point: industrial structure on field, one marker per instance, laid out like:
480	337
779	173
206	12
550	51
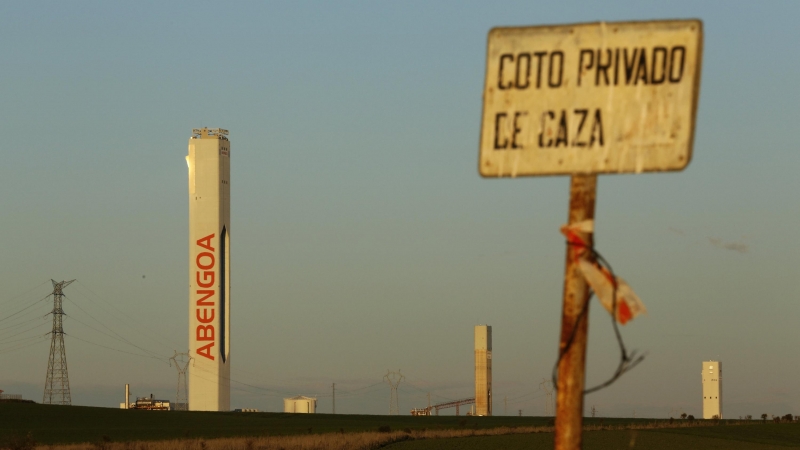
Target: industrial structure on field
300	404
712	389
457	404
483	381
9	397
151	404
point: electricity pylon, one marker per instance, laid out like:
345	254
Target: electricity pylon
394	379
547	387
56	385
181	361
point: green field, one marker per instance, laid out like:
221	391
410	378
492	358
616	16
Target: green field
50	424
74	424
768	436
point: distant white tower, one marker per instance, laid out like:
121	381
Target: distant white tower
483	370
712	389
209	270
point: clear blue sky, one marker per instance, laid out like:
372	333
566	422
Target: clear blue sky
363	238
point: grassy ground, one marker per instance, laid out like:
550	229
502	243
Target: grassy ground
75	424
72	424
741	437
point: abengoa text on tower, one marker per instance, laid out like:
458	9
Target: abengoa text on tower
209	270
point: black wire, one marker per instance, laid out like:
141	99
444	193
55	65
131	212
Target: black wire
127	319
27	338
20	324
25	308
119	337
116	349
429	392
525	401
20	333
525	395
626	362
343	391
24	293
21	346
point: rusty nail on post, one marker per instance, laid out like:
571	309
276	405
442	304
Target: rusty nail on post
571	368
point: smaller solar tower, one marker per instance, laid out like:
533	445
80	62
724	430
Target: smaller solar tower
712	389
483	370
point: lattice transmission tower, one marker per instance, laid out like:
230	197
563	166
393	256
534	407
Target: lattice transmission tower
394	379
181	361
546	386
56	385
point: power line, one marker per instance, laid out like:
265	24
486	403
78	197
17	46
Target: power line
40	339
522	395
360	392
26	308
547	387
424	391
23	314
116	349
254	389
13	330
120	337
351	391
23	332
20	324
240	382
128	318
149	354
24	293
18	333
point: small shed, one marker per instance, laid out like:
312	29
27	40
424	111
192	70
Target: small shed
300	404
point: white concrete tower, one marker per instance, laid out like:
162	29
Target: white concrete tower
712	389
209	270
483	370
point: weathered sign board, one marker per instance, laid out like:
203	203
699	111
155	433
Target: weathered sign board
590	98
584	100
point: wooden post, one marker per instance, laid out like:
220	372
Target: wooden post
572	365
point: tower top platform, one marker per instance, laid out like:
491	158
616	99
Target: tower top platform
209	133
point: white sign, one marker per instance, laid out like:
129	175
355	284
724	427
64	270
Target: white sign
590	98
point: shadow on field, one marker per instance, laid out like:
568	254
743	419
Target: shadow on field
741	437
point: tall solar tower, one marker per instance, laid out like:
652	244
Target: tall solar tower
712	389
56	385
209	269
483	370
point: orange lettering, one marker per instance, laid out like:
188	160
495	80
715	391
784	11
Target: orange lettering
205	318
207	332
206	278
207	352
208	293
207	241
207	255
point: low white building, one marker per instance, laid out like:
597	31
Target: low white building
300	404
712	389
